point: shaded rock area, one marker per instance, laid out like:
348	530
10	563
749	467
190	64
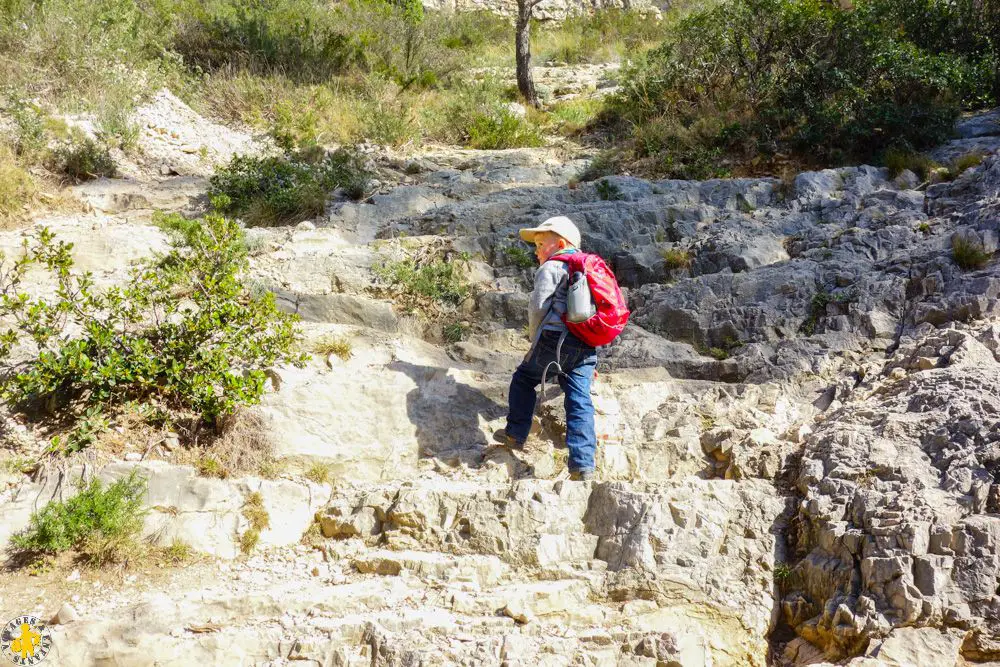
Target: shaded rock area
798	432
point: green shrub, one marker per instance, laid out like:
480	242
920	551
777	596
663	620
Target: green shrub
571	117
969	254
301	39
268	191
607	190
440	280
84	160
750	78
116	127
676	258
29	129
184	333
455	332
604	35
500	128
102	522
897	160
519	257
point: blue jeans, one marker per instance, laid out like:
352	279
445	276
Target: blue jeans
578	361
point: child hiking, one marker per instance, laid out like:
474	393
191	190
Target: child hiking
564	338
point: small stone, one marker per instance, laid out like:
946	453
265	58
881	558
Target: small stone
305	226
133	457
518	612
74	576
66	614
638	607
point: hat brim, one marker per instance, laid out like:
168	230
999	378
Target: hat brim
529	234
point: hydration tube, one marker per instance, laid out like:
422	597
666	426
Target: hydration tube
559	370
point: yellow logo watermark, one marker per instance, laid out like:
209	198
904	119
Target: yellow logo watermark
25	641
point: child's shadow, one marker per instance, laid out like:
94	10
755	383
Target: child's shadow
447	413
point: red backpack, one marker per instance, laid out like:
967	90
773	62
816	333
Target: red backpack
611	310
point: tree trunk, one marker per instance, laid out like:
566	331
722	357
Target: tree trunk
522	52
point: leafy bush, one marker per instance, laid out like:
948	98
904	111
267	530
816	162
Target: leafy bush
268	191
84	160
969	253
183	333
758	77
439	280
607	190
80	52
520	257
101	522
301	39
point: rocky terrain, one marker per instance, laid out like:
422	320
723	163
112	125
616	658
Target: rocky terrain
799	429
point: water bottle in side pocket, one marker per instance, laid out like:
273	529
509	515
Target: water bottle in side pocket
579	303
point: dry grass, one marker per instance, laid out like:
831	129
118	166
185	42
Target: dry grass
339	346
255	513
968	253
676	258
243	447
319	473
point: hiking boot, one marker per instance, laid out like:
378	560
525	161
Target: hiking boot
503	439
581	475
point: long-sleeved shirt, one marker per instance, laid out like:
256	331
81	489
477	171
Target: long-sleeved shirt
548	299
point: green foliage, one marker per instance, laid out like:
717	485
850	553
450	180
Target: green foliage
439	280
184	333
455	332
571	117
267	191
209	466
756	77
898	160
676	258
84	160
607	190
969	253
501	128
92	521
87	428
29	129
300	38
117	129
603	35
178	552
17	188
965	162
519	257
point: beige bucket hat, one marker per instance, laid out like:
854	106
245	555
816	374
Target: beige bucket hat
560	225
